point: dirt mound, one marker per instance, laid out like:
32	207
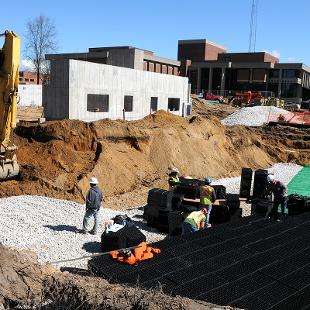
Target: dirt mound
21	278
128	158
25	283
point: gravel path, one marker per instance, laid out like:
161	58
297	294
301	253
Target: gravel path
252	116
48	226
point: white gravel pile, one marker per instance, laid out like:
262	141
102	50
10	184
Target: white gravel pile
48	226
252	116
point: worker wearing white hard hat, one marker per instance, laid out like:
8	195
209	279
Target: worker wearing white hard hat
173	178
94	200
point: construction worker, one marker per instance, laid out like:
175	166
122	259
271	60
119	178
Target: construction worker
207	197
195	221
279	192
94	200
173	178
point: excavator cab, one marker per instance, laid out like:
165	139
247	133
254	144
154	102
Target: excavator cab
9	74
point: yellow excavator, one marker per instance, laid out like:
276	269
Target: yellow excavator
9	75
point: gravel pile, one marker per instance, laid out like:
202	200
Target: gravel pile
252	116
48	226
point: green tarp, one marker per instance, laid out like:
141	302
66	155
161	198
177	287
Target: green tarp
300	184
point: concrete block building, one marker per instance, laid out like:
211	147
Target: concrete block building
116	83
211	68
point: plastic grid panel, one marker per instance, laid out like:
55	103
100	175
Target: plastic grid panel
247	266
275	291
208	241
198	286
224	294
298	280
183	249
139	276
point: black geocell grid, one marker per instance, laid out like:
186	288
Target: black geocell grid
191	266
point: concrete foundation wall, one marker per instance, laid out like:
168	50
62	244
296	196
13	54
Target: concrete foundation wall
99	79
56	93
30	95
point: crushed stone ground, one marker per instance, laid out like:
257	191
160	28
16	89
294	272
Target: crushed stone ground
252	116
48	226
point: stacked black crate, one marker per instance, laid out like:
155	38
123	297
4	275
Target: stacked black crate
246	183
260	201
260	183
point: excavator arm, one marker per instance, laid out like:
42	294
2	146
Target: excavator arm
9	75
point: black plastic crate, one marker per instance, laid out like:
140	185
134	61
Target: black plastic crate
246	182
220	191
260	183
175	221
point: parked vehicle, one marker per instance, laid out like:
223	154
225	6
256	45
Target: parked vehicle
210	96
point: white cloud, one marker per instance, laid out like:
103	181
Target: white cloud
26	65
291	59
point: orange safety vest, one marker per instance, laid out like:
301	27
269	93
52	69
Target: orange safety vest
143	252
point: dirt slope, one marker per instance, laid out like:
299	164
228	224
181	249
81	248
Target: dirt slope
24	283
128	158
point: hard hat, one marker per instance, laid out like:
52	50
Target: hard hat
93	181
270	178
175	170
208	180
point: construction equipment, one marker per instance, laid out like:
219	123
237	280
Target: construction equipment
9	71
247	98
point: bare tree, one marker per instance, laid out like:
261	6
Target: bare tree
40	40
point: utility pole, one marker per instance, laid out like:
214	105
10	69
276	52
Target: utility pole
253	26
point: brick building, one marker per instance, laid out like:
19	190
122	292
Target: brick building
209	67
125	56
26	77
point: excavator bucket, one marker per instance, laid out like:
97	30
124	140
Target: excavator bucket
9	74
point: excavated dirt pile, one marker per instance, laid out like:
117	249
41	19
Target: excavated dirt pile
24	284
128	158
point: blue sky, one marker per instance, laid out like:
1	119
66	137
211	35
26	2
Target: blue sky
282	25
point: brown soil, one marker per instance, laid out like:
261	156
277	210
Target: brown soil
129	158
25	283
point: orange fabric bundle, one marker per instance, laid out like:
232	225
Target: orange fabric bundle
143	252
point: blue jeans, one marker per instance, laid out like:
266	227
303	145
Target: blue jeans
188	228
209	208
87	218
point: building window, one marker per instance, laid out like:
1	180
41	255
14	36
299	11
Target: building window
274	73
31	80
288	90
20	79
154	104
173	104
27	80
290	73
97	103
128	103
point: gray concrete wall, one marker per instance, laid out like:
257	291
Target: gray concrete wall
56	93
89	78
30	95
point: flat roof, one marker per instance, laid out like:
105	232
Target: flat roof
191	41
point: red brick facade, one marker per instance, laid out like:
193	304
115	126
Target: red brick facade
26	77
